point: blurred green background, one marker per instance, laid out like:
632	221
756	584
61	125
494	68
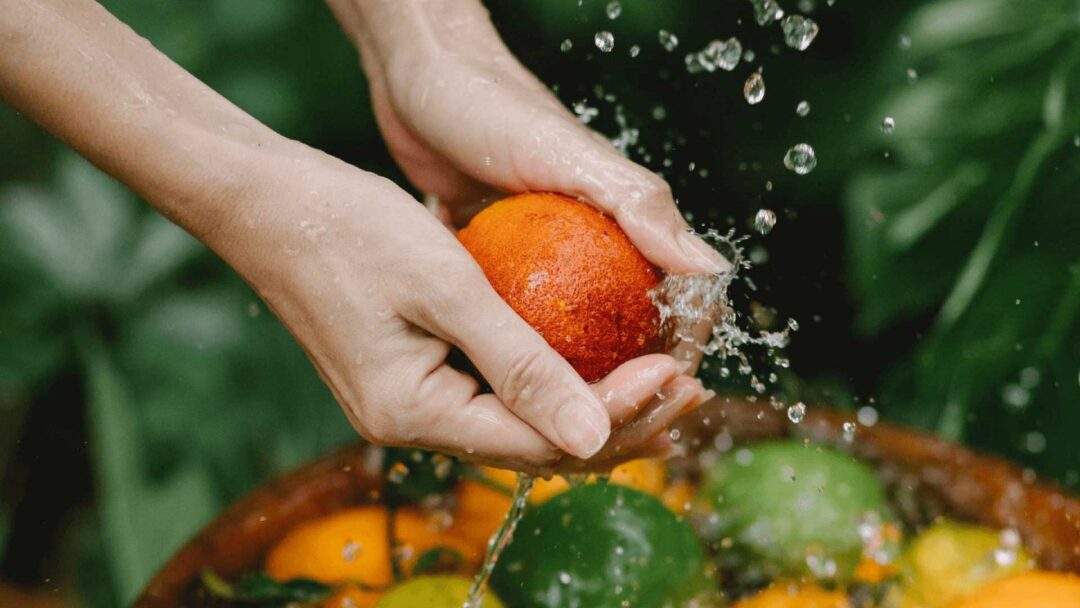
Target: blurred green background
934	270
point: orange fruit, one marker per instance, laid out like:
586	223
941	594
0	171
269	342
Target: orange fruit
353	597
784	595
350	546
572	274
679	497
1027	590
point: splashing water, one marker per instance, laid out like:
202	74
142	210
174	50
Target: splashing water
799	31
801	159
668	40
765	220
722	54
605	41
803	108
888	125
566	45
686	302
754	89
613	10
766	11
501	539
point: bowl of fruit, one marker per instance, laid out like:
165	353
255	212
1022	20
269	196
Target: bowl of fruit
759	509
758	512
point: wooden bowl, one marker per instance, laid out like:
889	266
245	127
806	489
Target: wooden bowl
947	479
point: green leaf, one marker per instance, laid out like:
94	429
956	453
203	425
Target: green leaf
145	521
260	589
413	474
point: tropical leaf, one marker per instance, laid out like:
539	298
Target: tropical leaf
971	217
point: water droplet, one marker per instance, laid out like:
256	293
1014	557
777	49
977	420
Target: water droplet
1035	442
614	9
764	220
564	578
799	31
867	416
668	40
912	75
888	125
443	466
350	551
803	108
397	473
849	432
1076	141
605	41
566	46
766	11
904	42
748	55
793	325
806	6
674	434
754	89
797	412
659	113
634	50
801	159
584	112
1015	396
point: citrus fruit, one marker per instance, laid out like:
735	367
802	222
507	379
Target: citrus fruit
434	592
351	546
352	596
949	561
791	510
481	508
1027	590
601	546
572	274
782	595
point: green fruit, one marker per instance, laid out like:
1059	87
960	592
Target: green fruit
433	592
791	509
598	546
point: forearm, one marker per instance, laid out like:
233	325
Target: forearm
109	94
400	24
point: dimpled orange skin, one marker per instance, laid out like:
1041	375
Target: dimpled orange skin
572	274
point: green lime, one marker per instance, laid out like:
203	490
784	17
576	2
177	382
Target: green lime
598	546
433	592
790	509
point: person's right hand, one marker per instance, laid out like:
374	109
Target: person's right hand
378	291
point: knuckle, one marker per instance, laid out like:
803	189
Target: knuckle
527	373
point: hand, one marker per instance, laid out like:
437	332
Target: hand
463	118
377	291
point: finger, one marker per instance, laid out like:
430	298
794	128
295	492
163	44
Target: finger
529	377
633	385
638	438
689	347
477	427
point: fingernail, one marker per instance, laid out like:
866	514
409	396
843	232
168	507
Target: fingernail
701	254
583	430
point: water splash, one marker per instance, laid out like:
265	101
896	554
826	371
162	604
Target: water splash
888	125
688	303
799	31
605	41
501	539
801	159
668	40
754	88
803	108
766	11
765	220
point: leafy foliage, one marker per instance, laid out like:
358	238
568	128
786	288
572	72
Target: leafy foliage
972	219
